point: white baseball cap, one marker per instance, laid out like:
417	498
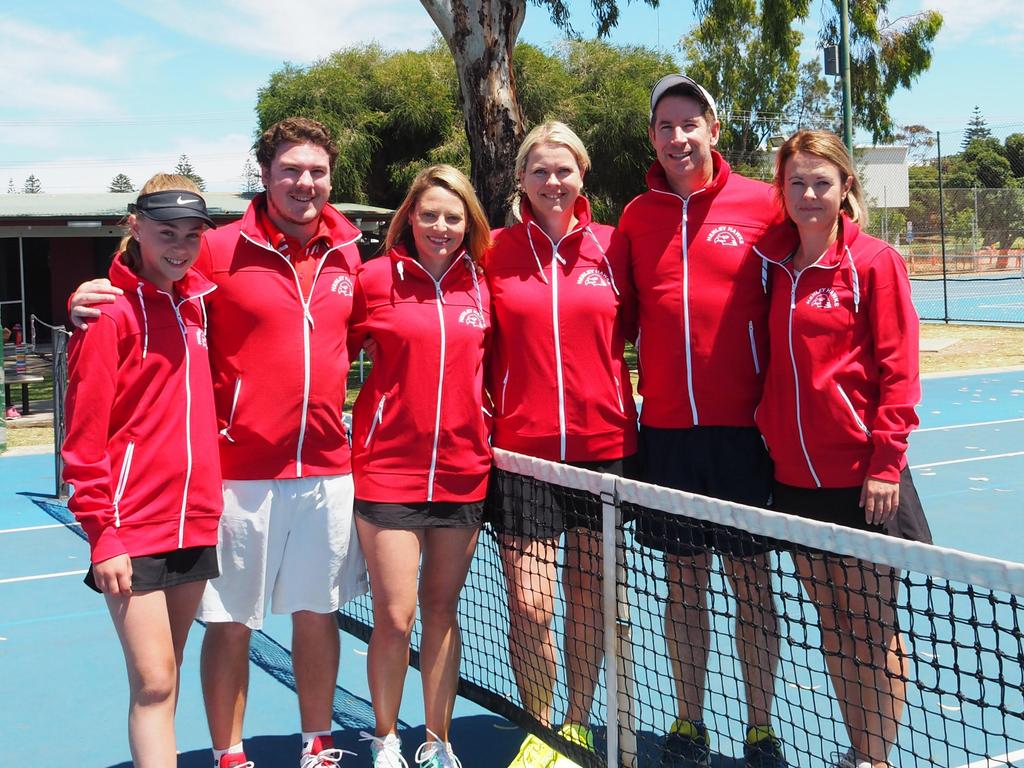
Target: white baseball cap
684	83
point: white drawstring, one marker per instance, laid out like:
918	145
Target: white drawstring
145	322
202	306
856	282
611	273
471	265
529	236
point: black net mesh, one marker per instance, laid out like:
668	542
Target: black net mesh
924	645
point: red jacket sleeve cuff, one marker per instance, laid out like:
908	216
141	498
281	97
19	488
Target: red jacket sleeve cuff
886	464
107	545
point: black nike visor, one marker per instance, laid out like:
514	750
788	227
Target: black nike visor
171	204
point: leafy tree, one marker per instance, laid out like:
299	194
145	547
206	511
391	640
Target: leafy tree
752	81
1014	152
816	104
33	186
252	182
482	37
985	160
977	128
184	168
121	183
607	106
11	190
920	142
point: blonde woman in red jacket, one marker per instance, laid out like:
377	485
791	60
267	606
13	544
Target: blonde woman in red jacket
141	452
838	406
562	306
420	452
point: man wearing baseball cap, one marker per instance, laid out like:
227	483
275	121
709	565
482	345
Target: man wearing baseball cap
703	311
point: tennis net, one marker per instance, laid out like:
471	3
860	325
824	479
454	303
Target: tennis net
960	616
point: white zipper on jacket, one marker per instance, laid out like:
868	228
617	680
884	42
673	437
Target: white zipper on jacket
176	307
556	259
753	346
378	417
439	300
792	354
683	227
307	324
796	379
122	481
860	422
226	432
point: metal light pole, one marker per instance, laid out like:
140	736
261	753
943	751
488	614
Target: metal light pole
844	70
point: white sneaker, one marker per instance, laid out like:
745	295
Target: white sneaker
325	758
386	751
436	754
849	760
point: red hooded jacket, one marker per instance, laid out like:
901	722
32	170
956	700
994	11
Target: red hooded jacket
560	388
279	360
418	429
701	296
141	446
843	381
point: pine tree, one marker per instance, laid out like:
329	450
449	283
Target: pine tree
252	182
121	183
11	189
184	167
33	186
977	128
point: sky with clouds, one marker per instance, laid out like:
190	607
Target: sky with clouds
93	89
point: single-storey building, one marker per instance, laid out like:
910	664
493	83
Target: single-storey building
50	243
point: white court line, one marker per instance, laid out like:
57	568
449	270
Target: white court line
42	576
957	426
996	762
61	525
964	461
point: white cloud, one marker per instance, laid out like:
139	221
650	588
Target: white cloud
52	71
298	33
218	161
991	22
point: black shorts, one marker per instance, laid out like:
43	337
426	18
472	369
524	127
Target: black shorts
420	515
168	569
728	463
841	506
522	506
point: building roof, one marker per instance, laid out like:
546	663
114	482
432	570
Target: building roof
107	206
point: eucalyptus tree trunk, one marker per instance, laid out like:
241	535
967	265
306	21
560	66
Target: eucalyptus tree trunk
482	35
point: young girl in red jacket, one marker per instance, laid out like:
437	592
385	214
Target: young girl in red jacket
838	406
563	308
420	452
141	452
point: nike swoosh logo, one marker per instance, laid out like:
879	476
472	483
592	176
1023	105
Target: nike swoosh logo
186	200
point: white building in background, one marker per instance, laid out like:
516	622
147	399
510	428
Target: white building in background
885	175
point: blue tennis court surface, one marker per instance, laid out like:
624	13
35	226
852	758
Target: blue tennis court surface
62	684
989	299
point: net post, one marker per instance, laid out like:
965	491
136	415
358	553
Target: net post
618	650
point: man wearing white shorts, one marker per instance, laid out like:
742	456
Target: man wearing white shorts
277	338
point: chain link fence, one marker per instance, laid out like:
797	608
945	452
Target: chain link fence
953	204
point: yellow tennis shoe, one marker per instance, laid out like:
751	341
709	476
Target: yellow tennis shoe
534	753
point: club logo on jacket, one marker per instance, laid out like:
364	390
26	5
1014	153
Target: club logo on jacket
342	285
201	337
724	235
473	317
593	277
823	298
